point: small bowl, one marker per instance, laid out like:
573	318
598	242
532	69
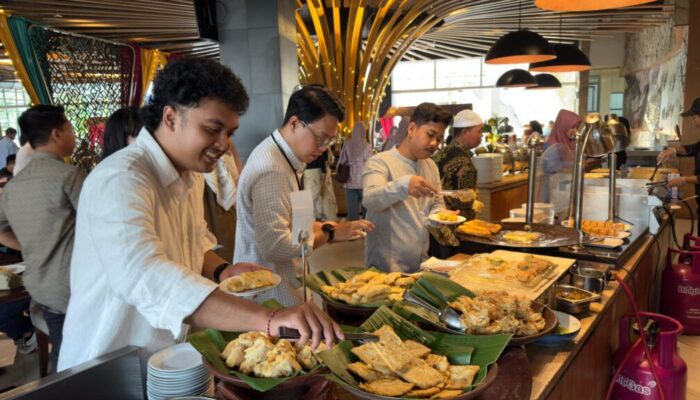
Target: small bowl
569	324
575	306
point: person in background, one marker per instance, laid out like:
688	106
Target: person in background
220	200
689	150
535	129
621	156
142	271
273	172
355	152
38	212
399	187
9	171
455	160
505	127
24	154
15	323
397	136
8	145
121	129
557	160
316	175
548	129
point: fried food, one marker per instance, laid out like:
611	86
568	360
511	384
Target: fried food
423	393
447	394
461	376
446	216
601	228
251	280
477	227
529	271
392	365
362	371
256	354
521	236
492	312
370	286
387	387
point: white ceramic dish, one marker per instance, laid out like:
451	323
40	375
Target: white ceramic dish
434	218
17	268
608	243
224	287
180	358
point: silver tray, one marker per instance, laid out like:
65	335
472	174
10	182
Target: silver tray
552	236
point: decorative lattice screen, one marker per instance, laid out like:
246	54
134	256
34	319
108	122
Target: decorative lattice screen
91	78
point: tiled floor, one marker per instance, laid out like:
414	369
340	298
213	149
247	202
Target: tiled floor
26	367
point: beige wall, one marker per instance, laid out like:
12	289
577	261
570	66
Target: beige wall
610	82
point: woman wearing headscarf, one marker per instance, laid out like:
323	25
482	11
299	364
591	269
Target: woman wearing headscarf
558	158
356	151
398	136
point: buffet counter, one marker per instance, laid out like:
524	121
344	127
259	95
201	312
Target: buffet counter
584	366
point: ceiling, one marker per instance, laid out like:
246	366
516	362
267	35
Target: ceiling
170	25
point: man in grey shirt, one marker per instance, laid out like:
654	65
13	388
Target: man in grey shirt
37	214
399	187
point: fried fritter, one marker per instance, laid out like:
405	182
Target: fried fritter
447	394
423	393
416	349
461	376
387	387
361	370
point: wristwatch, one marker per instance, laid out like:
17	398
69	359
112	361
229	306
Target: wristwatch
330	230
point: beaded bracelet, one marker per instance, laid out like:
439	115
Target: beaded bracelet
269	320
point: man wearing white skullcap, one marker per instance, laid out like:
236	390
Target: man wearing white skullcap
454	161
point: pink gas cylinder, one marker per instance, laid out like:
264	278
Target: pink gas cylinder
634	378
680	289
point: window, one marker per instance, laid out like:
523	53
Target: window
616	103
13	101
593	94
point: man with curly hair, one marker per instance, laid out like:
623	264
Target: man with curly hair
142	268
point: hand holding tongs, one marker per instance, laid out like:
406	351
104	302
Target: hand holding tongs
293	334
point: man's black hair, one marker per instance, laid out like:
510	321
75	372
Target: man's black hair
430	112
313	102
10	131
10	159
185	82
38	121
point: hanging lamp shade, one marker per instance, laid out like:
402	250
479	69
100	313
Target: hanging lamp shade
515	78
520	47
587	5
569	59
545	81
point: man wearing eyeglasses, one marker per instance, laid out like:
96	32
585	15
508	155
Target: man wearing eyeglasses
273	171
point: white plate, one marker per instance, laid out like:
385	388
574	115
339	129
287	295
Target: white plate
247	293
434	218
17	268
178	358
607	242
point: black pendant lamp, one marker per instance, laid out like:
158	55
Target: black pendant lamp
516	78
545	81
521	46
569	59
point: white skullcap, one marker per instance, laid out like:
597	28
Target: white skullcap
466	119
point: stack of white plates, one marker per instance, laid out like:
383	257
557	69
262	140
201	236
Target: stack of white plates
178	371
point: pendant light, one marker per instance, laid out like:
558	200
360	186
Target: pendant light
569	58
516	78
586	5
521	46
545	81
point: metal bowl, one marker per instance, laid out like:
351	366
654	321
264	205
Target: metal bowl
575	306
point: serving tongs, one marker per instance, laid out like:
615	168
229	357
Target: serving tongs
293	334
447	315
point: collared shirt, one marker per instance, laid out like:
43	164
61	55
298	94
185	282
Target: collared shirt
24	156
139	249
7	147
458	172
400	239
39	205
264	227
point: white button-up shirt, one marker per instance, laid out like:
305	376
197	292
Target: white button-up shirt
264	226
140	240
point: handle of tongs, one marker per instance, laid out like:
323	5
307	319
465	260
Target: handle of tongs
654	173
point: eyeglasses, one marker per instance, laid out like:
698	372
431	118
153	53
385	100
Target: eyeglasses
321	140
